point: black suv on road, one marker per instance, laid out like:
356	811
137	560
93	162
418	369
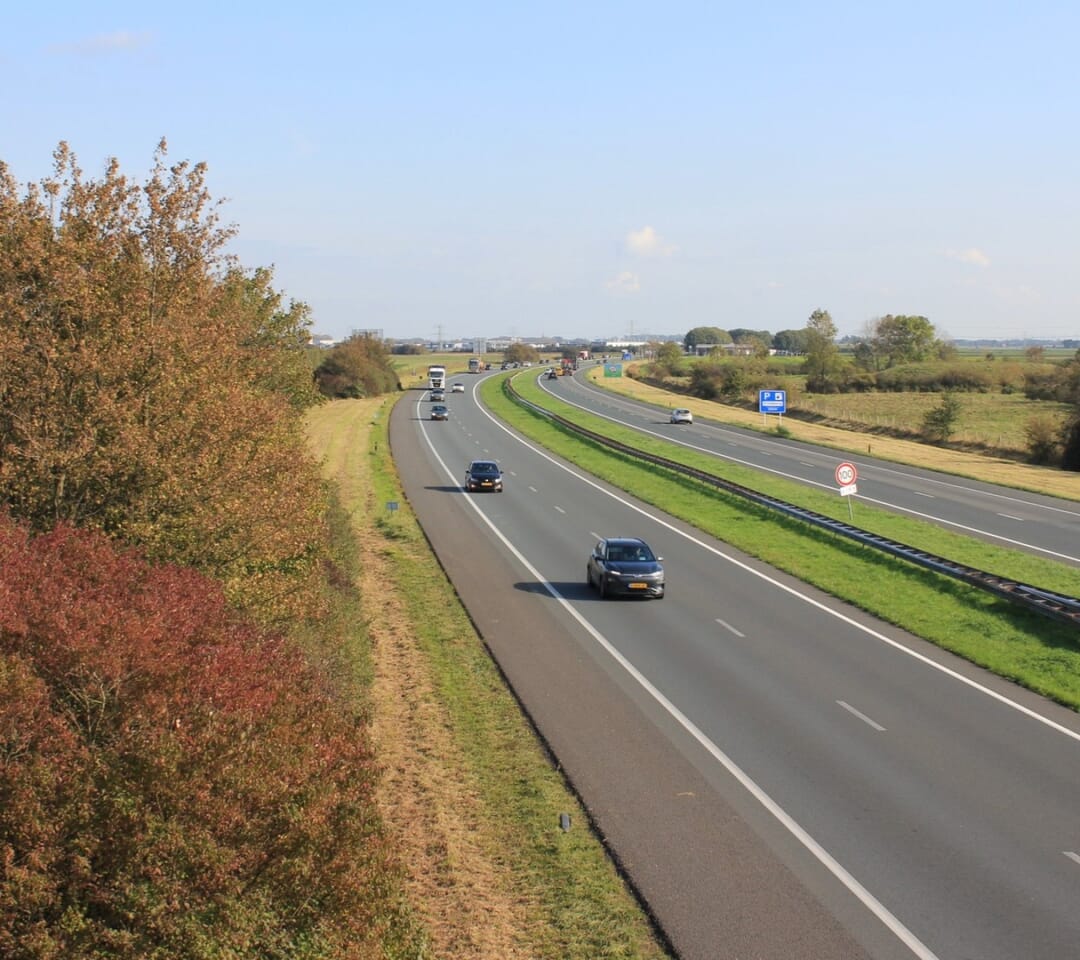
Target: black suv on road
484	475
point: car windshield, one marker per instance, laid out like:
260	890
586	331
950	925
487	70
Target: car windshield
484	469
629	553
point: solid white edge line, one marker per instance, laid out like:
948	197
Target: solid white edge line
878	909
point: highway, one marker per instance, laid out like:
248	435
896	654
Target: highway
1043	525
780	775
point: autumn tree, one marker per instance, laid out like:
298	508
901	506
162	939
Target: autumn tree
149	387
173	783
822	364
669	359
278	336
521	353
904	339
359	366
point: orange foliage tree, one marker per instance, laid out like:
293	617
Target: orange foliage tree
151	388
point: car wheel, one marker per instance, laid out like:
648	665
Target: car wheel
588	577
601	585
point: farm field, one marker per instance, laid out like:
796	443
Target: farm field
995	421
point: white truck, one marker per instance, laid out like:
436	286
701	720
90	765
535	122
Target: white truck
436	377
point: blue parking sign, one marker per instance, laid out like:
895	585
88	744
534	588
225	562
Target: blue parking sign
772	401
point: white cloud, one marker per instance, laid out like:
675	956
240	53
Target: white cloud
625	282
972	255
646	242
105	43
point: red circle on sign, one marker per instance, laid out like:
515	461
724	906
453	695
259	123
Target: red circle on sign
846	474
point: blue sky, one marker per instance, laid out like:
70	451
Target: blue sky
595	169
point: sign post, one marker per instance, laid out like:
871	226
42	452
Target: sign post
772	401
846	475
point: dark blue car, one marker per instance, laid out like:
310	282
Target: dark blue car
625	566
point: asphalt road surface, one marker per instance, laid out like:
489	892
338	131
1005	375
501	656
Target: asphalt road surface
780	775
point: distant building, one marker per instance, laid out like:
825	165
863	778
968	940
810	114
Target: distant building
730	349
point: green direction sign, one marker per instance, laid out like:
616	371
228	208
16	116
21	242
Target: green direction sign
612	369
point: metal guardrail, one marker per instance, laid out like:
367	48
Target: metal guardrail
1053	605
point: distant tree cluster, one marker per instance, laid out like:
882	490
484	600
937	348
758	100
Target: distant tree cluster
521	353
705	336
357	367
1062	384
892	341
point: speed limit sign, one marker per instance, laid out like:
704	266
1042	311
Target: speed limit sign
846	474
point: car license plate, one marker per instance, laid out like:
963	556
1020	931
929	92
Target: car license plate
639	586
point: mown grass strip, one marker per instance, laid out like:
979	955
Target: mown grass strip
1014	643
583	908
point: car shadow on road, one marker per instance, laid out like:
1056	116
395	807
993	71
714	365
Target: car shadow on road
445	489
567	589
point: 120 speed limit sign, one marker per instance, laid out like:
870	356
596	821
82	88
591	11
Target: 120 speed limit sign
846	474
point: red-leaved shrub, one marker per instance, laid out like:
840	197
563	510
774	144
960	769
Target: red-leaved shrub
173	783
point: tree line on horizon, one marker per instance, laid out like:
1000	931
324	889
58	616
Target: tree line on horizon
897	353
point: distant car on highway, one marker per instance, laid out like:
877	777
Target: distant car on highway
439	412
484	475
681	416
437	396
457	388
627	566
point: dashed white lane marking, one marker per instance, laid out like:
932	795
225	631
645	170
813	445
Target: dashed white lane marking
862	716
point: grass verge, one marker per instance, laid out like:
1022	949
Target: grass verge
1021	646
469	788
